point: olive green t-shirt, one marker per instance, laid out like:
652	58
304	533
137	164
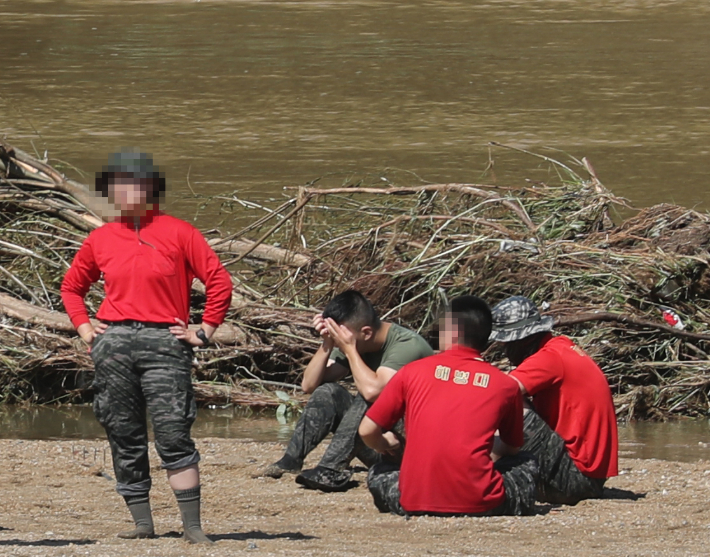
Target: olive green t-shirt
401	347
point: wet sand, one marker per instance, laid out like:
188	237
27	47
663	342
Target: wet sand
56	502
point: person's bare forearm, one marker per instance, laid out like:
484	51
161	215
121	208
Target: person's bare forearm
314	374
367	382
376	441
373	436
208	329
501	449
86	332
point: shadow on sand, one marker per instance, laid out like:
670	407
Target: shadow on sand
609	493
46	543
259	535
615	493
244	536
352	484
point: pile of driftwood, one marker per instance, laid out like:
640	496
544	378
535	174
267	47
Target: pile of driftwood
409	248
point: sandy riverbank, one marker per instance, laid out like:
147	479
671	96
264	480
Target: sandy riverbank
54	503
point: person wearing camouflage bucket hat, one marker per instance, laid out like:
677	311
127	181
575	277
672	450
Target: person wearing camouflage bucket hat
142	348
517	318
570	422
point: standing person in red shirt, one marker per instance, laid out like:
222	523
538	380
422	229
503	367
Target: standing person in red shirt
142	349
571	428
452	403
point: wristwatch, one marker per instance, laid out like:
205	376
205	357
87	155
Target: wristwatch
200	333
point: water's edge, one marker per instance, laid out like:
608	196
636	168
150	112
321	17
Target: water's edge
685	441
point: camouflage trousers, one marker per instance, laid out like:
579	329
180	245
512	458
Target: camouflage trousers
139	368
520	473
332	408
561	482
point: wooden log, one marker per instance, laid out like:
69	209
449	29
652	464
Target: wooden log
24	311
264	252
211	393
19	164
238	301
34	315
85	222
232	335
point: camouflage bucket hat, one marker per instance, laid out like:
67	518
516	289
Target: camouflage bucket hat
133	162
516	318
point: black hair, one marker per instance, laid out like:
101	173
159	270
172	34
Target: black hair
473	320
352	308
153	184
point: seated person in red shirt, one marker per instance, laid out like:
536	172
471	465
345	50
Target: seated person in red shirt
453	403
572	430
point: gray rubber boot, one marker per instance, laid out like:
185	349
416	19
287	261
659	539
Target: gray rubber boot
140	511
189	503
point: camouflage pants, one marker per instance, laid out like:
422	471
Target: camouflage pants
142	368
561	482
332	408
519	472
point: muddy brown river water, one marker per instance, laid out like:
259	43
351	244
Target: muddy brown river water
257	95
686	441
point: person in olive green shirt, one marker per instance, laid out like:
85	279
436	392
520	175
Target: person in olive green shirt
354	341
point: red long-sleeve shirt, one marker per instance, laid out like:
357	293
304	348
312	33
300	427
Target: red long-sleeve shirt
147	272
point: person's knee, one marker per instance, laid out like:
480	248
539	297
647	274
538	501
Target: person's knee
176	462
175	445
381	468
569	485
326	389
329	394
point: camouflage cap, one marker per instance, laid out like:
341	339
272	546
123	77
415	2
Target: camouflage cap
517	317
132	161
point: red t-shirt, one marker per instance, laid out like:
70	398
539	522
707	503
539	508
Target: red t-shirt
572	395
147	275
452	403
